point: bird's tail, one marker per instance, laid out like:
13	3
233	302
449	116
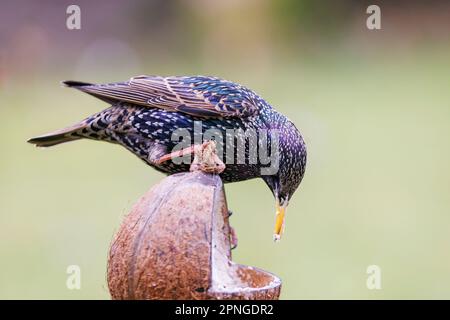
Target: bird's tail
60	136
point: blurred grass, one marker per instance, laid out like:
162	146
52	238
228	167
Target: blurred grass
375	192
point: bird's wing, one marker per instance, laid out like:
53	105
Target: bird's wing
197	96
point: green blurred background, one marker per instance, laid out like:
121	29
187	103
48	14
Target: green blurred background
373	106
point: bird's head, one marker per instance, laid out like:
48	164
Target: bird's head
291	168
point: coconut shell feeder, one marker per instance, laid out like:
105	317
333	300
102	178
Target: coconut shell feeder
175	244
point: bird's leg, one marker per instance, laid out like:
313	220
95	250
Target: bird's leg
176	154
205	157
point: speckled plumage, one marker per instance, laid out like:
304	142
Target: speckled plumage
146	110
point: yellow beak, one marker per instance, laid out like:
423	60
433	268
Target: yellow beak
279	222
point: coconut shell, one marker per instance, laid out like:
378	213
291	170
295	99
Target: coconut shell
175	244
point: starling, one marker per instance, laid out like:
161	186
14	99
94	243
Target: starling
146	111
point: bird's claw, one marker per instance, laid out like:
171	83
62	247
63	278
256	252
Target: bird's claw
233	239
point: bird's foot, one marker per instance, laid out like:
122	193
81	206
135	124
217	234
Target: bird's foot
233	239
206	159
